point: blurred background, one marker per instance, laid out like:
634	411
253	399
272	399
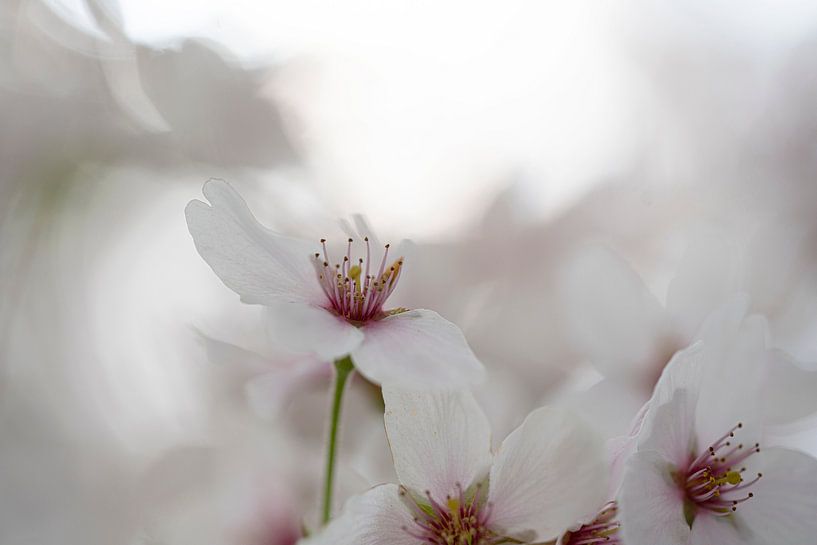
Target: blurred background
583	182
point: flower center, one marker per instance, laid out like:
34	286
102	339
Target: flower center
603	529
461	520
356	291
714	480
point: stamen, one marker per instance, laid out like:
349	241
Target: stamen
368	256
325	253
712	483
604	529
352	295
383	262
460	520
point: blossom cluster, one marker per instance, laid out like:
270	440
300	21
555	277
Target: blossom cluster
700	462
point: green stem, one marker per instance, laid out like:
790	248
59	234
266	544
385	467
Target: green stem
343	368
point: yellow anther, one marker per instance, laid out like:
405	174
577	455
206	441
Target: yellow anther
453	504
733	477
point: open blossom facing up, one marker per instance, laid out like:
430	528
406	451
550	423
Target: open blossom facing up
547	475
329	307
699	474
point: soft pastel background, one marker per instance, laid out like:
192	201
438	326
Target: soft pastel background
582	181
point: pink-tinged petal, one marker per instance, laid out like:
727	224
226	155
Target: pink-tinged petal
307	329
789	392
709	530
439	439
377	517
417	348
669	428
258	264
651	503
613	318
783	510
271	392
549	474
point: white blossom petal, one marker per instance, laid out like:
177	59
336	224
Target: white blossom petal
608	406
790	392
706	277
784	505
549	474
709	530
270	392
613	318
258	264
733	366
417	348
438	439
669	428
377	517
619	450
307	329
652	510
229	355
683	372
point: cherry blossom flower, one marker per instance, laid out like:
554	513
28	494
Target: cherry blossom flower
629	335
332	309
699	474
546	475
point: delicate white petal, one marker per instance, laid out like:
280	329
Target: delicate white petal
377	517
733	365
258	264
608	406
784	507
669	428
668	422
790	392
304	328
417	348
795	325
722	371
775	259
230	355
709	530
619	450
652	510
269	393
361	230
438	439
548	475
683	372
612	317
706	277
